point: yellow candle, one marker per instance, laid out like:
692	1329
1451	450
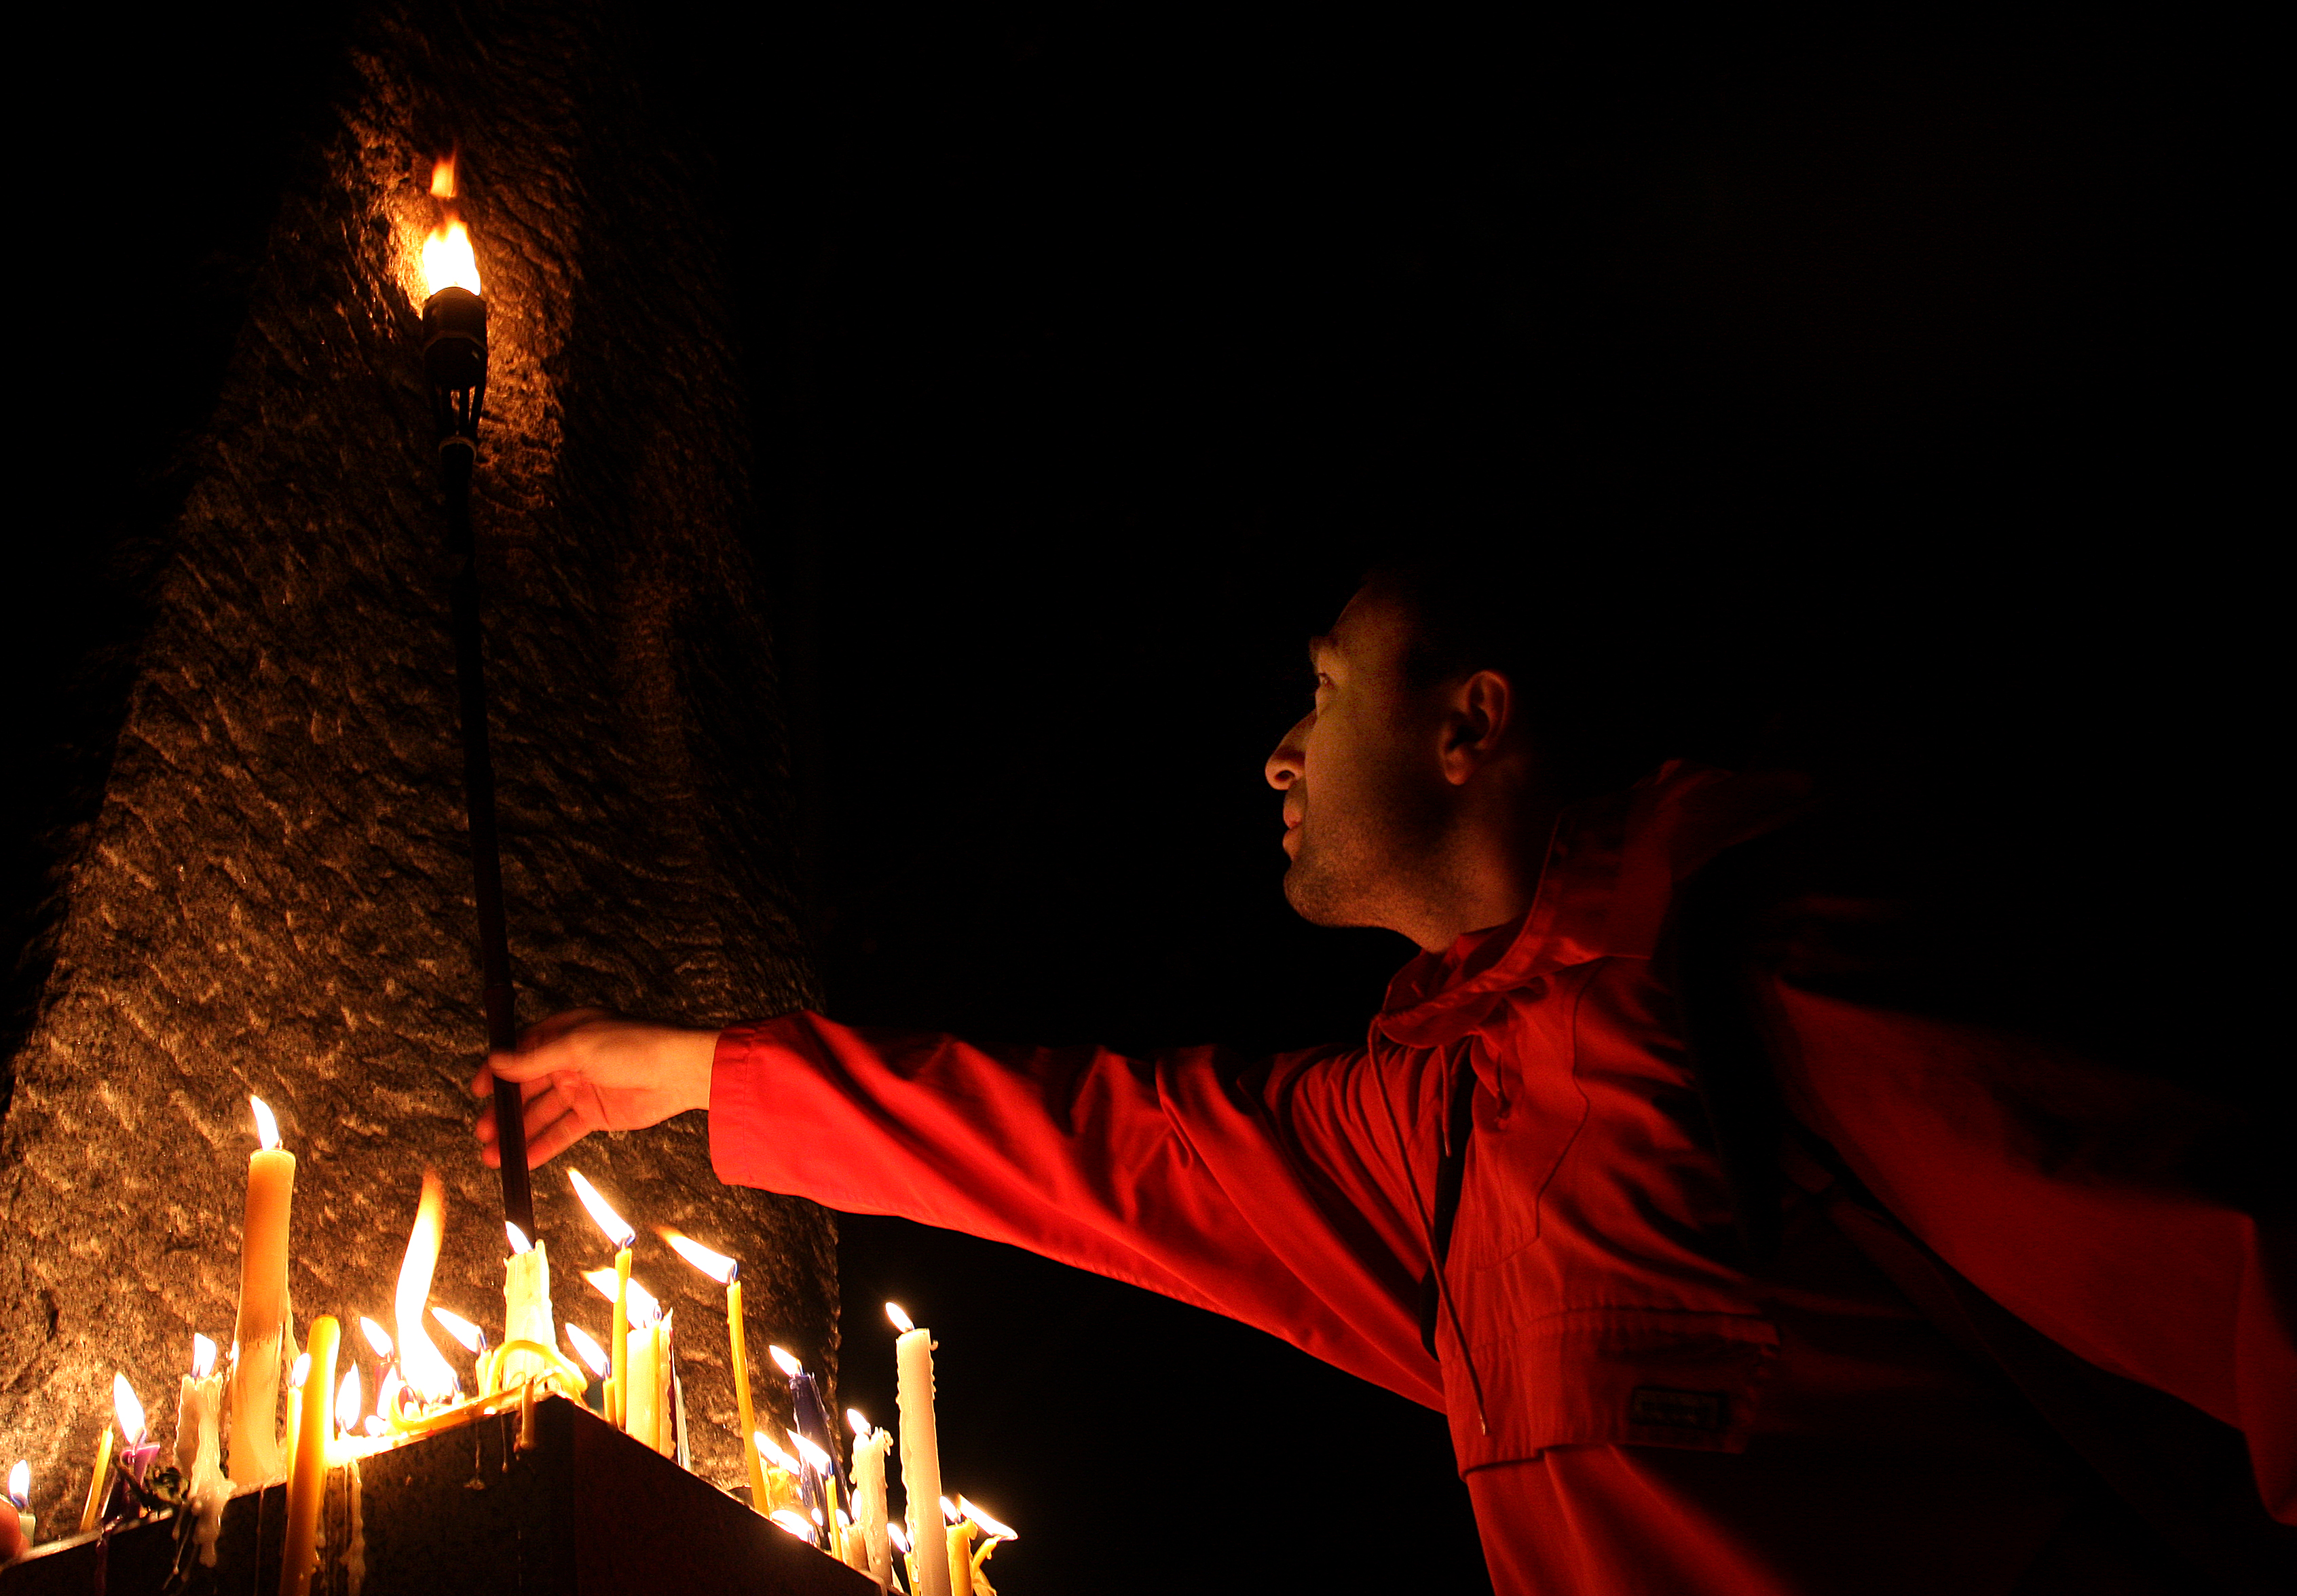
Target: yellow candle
619	1232
920	1450
295	1407
98	1482
308	1483
960	1557
728	1273
647	1400
255	1454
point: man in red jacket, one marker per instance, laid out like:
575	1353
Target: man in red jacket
1509	1203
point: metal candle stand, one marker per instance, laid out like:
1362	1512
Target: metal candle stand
455	365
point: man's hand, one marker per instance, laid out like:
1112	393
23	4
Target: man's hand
590	1069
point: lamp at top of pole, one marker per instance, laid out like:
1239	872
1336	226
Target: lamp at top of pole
454	320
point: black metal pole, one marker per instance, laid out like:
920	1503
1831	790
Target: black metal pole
455	361
457	456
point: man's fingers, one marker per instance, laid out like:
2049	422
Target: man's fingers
557	1025
561	1135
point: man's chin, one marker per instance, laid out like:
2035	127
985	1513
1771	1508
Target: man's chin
1317	899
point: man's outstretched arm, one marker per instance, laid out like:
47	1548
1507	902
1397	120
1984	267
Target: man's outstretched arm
1277	1192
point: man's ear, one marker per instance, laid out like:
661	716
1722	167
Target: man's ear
1477	715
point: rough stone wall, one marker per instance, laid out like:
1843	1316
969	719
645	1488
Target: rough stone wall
276	899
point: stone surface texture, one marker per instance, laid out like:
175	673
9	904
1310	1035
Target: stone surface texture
276	899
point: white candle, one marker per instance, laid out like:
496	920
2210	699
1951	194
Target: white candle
921	1452
526	1309
255	1450
869	1449
648	1398
199	1407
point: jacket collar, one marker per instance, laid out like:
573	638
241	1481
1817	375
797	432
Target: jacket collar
1611	870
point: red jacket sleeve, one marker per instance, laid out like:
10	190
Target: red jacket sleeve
1279	1193
2071	1193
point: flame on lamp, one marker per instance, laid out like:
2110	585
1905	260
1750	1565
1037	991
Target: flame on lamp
126	1410
617	1230
348	1398
20	1482
426	1371
774	1454
467	1335
901	1320
786	1520
266	1127
203	1357
447	260
996	1532
718	1266
782	1360
589	1350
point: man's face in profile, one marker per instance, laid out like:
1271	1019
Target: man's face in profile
1361	785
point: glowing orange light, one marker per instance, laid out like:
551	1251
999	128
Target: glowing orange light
718	1266
377	1335
602	1213
901	1320
996	1532
782	1360
442	178
266	1127
861	1425
461	1328
589	1350
426	1372
447	261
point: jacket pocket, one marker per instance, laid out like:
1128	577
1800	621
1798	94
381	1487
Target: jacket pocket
1611	1377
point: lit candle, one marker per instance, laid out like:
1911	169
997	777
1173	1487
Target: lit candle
467	1336
198	1408
621	1236
900	1543
308	1481
255	1452
813	1425
728	1273
993	1534
426	1372
869	1449
920	1450
958	1538
20	1497
783	1475
98	1480
526	1309
594	1356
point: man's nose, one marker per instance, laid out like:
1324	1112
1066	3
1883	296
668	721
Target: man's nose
1285	766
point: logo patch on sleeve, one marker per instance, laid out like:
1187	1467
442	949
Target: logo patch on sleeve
1678	1409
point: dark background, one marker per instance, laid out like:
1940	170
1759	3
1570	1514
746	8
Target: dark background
1088	358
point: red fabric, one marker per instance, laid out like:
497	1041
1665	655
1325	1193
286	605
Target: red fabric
1636	1414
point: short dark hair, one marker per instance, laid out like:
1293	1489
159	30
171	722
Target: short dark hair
1604	655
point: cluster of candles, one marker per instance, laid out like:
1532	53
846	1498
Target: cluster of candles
631	1382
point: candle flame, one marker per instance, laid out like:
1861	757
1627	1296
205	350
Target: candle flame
816	1459
419	1361
644	1309
303	1372
901	1320
996	1531
617	1230
386	1394
774	1454
901	1541
266	1127
782	1360
718	1266
377	1425
447	260
470	1338
203	1357
518	1241
377	1335
786	1520
861	1425
949	1511
442	178
348	1398
126	1409
589	1350
20	1482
